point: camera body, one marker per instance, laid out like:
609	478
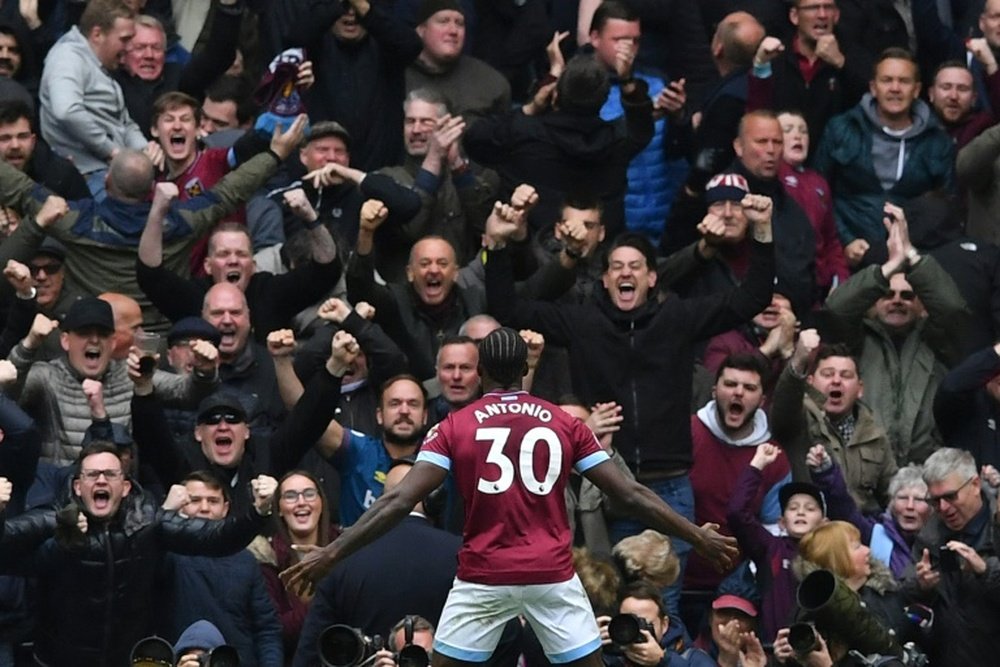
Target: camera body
625	629
803	640
344	646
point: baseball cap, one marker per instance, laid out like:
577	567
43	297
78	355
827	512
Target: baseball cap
219	401
730	601
51	248
794	488
192	327
726	187
89	312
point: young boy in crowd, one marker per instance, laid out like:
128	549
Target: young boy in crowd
803	508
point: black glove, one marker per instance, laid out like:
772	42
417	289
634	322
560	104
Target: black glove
68	534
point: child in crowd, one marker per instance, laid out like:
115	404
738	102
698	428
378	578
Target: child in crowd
811	191
803	508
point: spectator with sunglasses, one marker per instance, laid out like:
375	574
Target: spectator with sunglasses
904	320
222	432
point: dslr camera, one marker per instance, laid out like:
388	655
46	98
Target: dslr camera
344	646
626	629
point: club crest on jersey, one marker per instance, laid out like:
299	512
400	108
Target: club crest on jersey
194	188
432	433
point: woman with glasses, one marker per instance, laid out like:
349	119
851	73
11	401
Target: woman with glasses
302	524
891	534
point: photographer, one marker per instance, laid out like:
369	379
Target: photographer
421	635
956	569
658	642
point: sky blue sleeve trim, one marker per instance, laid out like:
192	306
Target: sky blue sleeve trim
438	460
588	462
762	71
231	158
575	654
461	654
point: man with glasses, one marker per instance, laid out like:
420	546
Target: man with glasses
230	591
955	561
95	560
905	321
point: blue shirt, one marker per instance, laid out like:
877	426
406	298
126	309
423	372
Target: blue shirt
362	462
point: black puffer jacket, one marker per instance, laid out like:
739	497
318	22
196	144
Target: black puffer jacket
95	600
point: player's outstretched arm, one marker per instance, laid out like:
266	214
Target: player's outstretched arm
385	513
649	508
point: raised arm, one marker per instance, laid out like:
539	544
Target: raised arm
206	537
312	419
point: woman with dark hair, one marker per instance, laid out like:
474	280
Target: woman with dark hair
302	525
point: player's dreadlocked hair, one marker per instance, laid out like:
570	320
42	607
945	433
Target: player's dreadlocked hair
503	354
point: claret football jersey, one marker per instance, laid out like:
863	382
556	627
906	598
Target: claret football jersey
511	455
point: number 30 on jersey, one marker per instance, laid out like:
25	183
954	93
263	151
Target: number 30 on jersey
525	460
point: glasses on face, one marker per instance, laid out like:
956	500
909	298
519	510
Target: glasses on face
292	496
94	475
219	417
49	269
949	497
904	294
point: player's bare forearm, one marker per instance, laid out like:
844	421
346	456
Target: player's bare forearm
655	513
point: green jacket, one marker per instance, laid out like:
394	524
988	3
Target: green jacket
900	382
798	422
102	239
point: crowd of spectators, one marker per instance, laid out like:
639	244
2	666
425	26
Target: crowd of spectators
249	250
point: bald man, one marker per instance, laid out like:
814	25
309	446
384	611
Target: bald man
128	320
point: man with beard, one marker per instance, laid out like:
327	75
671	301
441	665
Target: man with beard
19	64
21	149
724	436
953	97
819	402
363	460
905	321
